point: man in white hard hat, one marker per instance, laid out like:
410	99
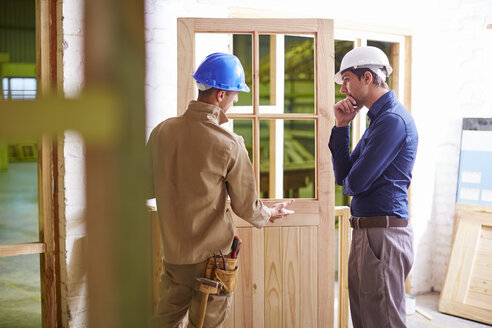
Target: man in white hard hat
377	174
195	166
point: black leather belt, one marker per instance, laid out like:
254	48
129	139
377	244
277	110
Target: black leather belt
377	222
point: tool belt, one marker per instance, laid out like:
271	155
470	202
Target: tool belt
227	277
377	222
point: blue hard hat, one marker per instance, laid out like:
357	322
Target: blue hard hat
221	71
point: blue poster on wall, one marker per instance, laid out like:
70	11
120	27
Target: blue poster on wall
475	170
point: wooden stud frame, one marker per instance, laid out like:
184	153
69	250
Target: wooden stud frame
287	269
45	247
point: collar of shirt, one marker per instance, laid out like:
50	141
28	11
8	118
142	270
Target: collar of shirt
205	112
382	104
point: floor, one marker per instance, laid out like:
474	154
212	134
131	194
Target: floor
20	295
20	300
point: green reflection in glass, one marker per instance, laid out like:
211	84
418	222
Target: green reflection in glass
265	73
265	159
243	49
20	294
299	74
299	159
244	128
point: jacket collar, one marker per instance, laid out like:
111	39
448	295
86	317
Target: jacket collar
382	104
198	110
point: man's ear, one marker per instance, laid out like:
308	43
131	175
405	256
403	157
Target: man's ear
367	77
220	95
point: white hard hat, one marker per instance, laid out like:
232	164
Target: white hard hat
365	57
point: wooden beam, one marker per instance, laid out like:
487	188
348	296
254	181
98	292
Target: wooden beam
94	115
22	249
324	70
273	116
186	62
256	108
248	25
344	240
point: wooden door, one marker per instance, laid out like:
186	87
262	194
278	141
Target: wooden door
287	268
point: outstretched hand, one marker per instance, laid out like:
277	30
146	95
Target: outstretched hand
278	210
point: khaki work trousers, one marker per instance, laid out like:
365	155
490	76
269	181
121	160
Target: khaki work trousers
180	296
379	262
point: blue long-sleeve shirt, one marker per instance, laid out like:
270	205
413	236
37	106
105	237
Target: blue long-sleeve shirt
379	170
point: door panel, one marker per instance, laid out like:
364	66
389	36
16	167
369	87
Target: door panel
286	275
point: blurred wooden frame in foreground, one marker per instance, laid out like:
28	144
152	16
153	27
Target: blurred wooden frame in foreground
113	127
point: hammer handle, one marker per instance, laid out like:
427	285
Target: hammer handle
203	310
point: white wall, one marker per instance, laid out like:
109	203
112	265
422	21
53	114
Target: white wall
72	178
451	80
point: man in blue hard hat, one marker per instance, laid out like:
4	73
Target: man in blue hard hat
196	165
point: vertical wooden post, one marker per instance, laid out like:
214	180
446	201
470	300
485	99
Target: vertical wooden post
44	69
326	193
117	226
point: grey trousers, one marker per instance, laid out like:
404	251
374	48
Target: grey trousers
180	299
379	262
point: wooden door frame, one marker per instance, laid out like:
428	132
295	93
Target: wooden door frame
46	247
322	215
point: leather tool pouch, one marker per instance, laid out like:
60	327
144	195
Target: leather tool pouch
227	277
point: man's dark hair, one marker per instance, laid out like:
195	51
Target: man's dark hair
208	92
375	78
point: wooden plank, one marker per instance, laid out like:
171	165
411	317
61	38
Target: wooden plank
273	116
22	249
272	160
395	64
325	93
480	290
46	228
291	279
44	68
53	115
308	276
186	63
461	261
251	25
306	214
273	277
407	92
258	254
243	297
466	311
344	240
256	109
115	182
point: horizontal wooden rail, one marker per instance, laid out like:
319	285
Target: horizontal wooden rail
268	116
344	238
22	249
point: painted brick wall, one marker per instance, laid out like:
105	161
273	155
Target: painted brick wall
72	171
452	79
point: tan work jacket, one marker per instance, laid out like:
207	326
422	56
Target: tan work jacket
196	164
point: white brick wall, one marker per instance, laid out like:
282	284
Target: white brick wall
451	80
72	171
